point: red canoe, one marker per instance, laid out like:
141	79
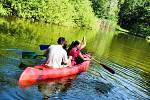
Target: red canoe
62	80
41	72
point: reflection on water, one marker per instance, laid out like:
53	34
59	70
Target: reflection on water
128	83
30	35
127	55
54	87
130	51
100	43
97	83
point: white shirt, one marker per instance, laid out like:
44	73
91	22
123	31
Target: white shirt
56	55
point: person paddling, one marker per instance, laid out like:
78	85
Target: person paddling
74	51
56	55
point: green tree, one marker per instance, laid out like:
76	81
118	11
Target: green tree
61	12
3	11
134	16
107	9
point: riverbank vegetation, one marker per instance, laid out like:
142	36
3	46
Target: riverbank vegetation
61	12
132	15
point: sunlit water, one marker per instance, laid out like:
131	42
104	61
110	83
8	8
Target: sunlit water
128	56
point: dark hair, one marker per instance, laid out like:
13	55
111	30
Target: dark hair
76	43
73	44
65	45
61	40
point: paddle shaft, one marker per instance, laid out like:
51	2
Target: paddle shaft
39	55
32	55
43	47
106	67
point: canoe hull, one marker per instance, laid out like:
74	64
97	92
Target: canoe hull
42	72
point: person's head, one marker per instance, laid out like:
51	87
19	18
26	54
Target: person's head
61	41
76	43
73	44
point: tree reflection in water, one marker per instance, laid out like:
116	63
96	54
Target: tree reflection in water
51	87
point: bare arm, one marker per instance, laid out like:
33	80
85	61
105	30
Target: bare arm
83	43
84	58
80	54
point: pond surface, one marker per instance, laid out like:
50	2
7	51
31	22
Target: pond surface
127	55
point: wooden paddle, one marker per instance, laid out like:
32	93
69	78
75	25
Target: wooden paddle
104	66
44	46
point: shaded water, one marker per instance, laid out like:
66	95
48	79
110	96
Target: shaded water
127	55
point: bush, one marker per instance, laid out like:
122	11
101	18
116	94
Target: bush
107	9
3	11
61	12
134	16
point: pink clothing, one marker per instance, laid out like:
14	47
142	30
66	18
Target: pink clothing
74	52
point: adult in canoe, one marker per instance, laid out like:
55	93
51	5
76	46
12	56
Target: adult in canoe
42	72
56	55
74	51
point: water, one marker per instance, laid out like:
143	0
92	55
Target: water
127	55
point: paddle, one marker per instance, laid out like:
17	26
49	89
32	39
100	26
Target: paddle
31	55
104	66
44	46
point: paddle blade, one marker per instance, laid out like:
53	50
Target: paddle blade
104	66
43	46
108	68
27	55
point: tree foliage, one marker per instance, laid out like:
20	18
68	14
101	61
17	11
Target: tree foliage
61	12
107	9
134	15
130	14
3	11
